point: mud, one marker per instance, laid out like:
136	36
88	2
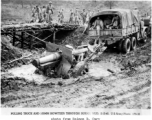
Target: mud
114	80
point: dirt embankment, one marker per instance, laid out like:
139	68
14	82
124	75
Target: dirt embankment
128	86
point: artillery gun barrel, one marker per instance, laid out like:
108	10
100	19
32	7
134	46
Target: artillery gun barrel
79	51
50	58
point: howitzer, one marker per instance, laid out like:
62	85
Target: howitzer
65	61
61	60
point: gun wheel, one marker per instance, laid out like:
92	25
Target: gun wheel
85	70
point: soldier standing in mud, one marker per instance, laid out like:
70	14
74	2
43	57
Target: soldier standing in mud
49	11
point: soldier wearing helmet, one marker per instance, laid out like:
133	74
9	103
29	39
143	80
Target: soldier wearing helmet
49	11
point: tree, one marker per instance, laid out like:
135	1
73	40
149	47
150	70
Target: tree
110	4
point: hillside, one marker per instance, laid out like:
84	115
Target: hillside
21	9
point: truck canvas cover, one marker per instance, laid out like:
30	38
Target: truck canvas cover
128	17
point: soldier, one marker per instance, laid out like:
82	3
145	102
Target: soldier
115	22
49	11
33	14
44	14
98	25
61	16
84	16
71	17
37	13
98	11
107	22
91	13
76	17
59	20
86	22
87	17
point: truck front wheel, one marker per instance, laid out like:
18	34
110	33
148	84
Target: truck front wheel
144	39
133	43
138	36
126	45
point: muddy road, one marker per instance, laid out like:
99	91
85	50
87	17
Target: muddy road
128	87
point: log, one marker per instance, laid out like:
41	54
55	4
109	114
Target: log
18	59
110	70
23	25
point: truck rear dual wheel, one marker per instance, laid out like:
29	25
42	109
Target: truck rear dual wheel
126	45
133	43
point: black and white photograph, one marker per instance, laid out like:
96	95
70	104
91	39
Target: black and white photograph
76	54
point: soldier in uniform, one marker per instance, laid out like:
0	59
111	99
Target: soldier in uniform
107	22
37	14
84	16
59	20
61	16
115	22
98	25
87	17
33	14
49	11
43	14
71	20
98	11
76	17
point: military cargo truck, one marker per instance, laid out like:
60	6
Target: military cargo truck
129	30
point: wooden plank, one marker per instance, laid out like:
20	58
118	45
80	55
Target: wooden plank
54	37
14	32
22	39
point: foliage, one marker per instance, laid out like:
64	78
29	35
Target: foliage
110	4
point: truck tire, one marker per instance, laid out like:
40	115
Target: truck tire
126	45
138	36
149	32
133	43
144	39
119	47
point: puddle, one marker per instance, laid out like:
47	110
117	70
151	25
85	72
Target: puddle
96	69
27	72
100	69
